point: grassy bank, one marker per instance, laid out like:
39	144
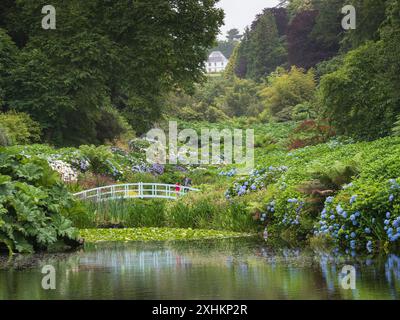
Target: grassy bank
339	192
205	210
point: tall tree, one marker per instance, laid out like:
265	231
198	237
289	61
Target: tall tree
262	50
304	50
370	16
328	31
105	58
362	97
241	59
233	35
8	52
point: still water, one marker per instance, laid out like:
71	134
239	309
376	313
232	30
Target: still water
218	269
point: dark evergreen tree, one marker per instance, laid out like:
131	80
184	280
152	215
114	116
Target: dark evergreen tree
121	55
261	50
304	50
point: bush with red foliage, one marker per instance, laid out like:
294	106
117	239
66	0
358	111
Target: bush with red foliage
303	49
309	133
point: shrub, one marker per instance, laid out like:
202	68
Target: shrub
363	215
322	177
310	132
359	98
33	202
4	139
285	90
19	128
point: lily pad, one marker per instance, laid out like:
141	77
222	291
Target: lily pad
154	234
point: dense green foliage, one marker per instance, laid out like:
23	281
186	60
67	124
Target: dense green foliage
301	35
287	90
357	93
283	96
216	100
312	91
33	202
261	50
358	179
93	75
18	128
362	97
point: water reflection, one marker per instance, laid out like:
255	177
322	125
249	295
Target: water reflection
223	269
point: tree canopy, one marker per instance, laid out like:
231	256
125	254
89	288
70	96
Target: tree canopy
262	49
105	60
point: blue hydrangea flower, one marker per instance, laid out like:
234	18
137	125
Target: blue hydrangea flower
353	199
353	234
388	215
367	230
332	217
391	198
329	200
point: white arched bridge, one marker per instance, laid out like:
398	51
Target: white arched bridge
135	191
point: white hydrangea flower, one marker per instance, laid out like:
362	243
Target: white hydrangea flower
67	173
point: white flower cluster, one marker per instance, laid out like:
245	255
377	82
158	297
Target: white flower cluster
67	173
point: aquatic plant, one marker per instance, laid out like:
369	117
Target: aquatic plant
154	234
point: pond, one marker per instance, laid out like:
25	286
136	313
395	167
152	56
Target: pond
207	269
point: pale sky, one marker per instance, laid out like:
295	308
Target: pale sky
241	13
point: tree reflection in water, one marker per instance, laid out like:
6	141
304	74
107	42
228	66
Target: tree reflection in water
223	269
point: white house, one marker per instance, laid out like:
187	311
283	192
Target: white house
216	62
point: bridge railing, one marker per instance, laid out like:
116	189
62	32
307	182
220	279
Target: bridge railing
134	191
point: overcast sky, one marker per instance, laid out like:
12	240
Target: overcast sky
241	13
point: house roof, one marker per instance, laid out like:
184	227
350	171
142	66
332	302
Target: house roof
217	56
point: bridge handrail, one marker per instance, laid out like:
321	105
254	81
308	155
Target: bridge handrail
166	188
